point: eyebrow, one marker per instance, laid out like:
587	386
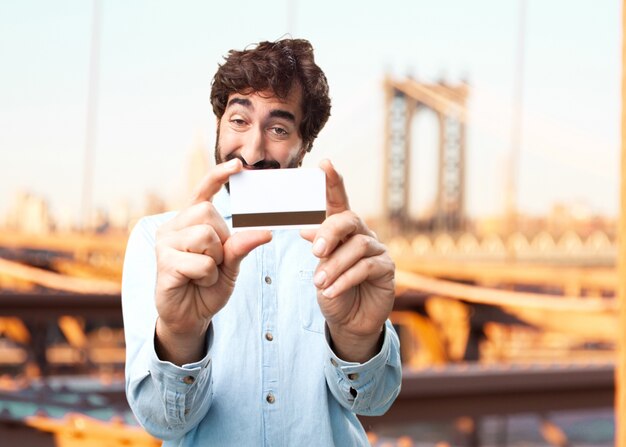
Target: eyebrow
276	113
241	101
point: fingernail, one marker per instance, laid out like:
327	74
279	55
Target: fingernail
319	247
329	292
232	163
319	278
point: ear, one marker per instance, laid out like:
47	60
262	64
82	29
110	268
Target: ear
218	123
301	155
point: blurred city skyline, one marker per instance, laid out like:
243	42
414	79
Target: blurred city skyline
157	60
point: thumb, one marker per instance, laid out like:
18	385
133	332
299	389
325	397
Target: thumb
238	246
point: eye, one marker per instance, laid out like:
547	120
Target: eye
279	131
238	122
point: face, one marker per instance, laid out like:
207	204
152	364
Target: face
261	130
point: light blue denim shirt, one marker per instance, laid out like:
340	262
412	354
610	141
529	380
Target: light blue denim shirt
269	377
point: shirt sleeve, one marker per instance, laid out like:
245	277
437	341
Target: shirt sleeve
368	388
166	399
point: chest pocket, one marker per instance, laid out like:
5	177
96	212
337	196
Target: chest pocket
310	315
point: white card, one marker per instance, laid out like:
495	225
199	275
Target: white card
278	198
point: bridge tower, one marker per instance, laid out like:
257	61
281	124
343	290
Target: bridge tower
404	98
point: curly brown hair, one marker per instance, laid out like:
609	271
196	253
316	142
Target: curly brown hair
276	66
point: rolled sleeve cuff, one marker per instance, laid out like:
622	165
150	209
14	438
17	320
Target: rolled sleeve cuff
358	376
181	386
181	378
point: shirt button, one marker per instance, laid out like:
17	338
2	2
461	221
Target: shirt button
268	280
270	398
353	376
189	380
333	362
269	336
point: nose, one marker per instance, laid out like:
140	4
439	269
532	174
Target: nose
253	150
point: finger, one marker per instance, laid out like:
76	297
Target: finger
374	269
336	229
308	234
200	213
178	268
206	281
237	247
201	239
336	196
213	181
344	257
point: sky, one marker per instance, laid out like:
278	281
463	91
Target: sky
157	59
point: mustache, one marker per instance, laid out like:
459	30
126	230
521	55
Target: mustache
263	164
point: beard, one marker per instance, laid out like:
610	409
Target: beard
294	162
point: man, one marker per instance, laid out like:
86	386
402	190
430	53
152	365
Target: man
258	337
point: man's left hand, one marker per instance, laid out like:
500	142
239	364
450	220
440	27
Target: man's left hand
355	276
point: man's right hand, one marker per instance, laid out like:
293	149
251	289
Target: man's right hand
197	266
